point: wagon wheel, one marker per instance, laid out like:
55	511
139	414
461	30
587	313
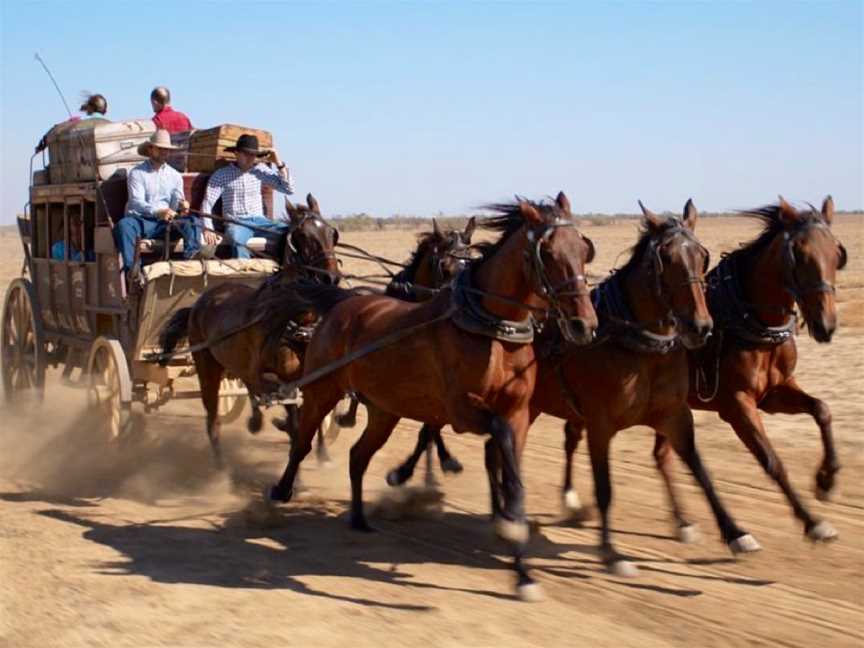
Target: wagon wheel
231	407
110	391
23	343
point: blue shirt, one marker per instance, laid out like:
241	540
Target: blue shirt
58	253
151	190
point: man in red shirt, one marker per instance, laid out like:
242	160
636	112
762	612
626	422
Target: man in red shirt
166	117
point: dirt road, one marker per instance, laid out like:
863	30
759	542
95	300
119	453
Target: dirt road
149	546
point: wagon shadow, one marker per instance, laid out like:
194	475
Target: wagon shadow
245	550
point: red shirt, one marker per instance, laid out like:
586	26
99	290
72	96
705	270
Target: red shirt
172	120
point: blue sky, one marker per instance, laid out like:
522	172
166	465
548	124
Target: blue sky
427	107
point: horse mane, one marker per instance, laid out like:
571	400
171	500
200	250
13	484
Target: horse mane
278	303
772	224
645	236
424	241
508	221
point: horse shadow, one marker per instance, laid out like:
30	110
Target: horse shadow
259	548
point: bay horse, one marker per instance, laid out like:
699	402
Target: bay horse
749	364
463	357
650	311
269	345
439	257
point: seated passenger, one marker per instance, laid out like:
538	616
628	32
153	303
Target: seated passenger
95	106
58	248
164	116
239	185
156	201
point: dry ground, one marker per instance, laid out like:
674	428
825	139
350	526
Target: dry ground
148	546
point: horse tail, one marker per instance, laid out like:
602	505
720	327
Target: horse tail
176	330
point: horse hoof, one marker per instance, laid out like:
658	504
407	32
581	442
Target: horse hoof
688	534
822	494
822	532
394	478
745	544
451	465
511	531
623	569
255	423
267	496
346	421
530	593
281	424
571	503
360	524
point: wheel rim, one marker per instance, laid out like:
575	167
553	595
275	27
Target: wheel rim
21	362
230	407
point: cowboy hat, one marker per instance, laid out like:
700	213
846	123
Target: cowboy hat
160	139
247	144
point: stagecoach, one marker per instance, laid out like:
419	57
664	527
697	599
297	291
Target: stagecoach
79	312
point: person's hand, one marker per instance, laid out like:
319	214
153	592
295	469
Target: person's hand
211	237
183	207
166	214
273	157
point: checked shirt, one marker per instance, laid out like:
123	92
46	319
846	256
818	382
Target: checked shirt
241	191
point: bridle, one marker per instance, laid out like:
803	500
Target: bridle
790	263
537	237
455	248
662	290
295	257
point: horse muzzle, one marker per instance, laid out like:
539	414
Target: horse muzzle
577	330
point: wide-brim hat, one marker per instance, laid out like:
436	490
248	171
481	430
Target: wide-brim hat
160	139
248	144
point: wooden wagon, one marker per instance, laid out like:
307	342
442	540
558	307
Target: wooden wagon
78	313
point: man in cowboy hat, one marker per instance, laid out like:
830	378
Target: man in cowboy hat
239	186
156	201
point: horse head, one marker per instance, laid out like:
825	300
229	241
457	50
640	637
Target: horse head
445	253
677	262
810	255
310	243
555	257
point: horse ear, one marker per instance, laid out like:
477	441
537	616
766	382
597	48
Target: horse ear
469	229
651	220
289	206
563	203
828	209
788	214
313	204
530	213
691	215
436	231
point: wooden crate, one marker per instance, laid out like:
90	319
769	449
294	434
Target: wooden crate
207	147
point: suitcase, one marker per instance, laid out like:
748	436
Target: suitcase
90	150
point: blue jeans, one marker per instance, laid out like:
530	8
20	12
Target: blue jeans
238	234
130	228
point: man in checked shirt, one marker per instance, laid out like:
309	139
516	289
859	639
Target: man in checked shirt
239	185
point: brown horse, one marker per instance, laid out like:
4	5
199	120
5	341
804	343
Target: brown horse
650	311
268	347
749	364
463	357
439	257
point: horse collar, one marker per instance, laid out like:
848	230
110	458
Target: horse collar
472	317
732	312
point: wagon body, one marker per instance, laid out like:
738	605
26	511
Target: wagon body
79	314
